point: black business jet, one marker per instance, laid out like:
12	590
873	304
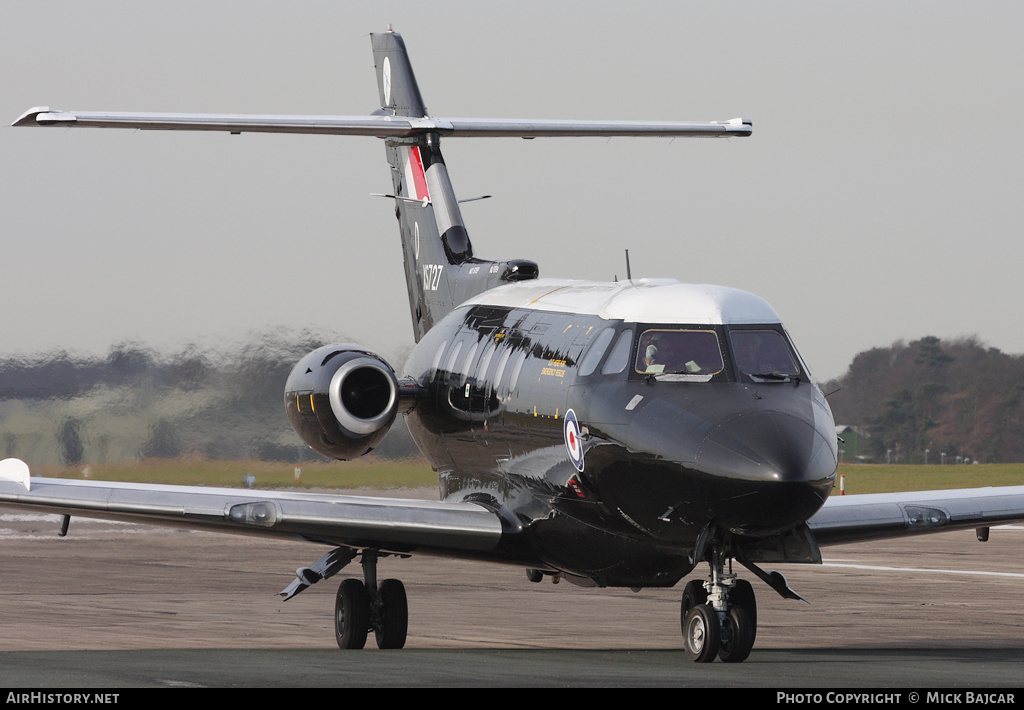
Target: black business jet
610	434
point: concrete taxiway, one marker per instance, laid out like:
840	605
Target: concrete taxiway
116	605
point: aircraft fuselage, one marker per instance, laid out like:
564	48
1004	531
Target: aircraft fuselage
605	465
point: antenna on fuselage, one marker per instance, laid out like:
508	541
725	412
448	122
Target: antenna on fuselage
629	274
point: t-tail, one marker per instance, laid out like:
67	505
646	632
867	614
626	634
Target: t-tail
440	268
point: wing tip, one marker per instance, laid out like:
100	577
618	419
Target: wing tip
29	117
44	116
16	471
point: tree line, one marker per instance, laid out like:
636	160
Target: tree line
934	399
913	402
223	402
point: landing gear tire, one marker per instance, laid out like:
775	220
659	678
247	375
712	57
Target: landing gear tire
392	623
701	633
737	636
694	594
351	615
742	595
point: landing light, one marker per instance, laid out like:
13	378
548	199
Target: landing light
262	514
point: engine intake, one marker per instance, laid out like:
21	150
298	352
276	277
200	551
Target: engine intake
342	399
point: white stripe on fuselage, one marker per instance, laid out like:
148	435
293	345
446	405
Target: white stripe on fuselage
638	301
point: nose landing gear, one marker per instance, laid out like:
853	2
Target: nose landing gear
718	617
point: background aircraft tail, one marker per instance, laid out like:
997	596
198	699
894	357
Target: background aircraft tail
440	269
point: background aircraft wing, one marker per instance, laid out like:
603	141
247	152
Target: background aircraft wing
886	515
381	126
389	524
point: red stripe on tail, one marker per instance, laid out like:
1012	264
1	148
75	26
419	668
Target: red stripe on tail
419	178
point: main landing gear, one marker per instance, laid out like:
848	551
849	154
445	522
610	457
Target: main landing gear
364	605
718	617
360	606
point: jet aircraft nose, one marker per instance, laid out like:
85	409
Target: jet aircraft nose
772	470
768	446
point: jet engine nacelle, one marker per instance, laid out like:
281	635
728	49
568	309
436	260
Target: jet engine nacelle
342	400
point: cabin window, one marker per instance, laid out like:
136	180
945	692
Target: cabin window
515	372
619	357
763	353
453	358
679	352
485	362
467	365
590	361
437	358
500	370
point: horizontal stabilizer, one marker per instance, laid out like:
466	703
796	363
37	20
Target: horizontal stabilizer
380	126
523	128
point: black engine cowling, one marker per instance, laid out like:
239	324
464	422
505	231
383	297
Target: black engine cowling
342	400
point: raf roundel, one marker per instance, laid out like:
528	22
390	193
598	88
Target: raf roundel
573	444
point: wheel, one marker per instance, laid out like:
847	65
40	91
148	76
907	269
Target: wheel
392	622
737	636
742	595
701	632
694	594
351	614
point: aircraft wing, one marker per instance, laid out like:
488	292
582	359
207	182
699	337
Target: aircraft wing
381	126
885	515
388	524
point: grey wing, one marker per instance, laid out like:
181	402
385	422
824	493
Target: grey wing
386	524
887	515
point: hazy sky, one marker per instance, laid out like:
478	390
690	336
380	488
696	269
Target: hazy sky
879	197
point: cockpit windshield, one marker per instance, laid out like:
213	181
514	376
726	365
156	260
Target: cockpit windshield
679	352
763	354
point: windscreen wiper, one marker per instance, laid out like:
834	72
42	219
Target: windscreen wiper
776	376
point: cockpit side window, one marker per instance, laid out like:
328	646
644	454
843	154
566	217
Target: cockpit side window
597	349
763	353
679	352
618	358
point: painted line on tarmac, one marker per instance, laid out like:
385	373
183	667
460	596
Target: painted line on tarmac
880	568
81	527
54	518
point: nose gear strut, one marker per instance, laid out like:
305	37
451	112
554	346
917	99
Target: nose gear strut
718	617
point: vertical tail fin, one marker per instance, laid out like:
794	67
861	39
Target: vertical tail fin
440	268
399	92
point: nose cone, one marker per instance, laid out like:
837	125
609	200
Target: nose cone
789	459
767	446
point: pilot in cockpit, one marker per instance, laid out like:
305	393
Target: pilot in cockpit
667	354
651	359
